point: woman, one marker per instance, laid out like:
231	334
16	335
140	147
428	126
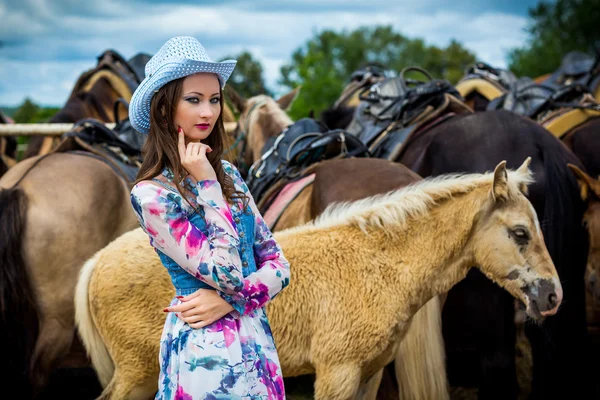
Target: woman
204	225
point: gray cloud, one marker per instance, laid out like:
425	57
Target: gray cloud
46	45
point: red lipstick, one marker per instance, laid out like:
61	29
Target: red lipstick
203	126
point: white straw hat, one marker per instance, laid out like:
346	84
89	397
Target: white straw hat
177	58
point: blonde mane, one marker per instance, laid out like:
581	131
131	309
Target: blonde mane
395	208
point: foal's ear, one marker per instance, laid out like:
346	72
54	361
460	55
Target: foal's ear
587	185
524	169
500	186
286	100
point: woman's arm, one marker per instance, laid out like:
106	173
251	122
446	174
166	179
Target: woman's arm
273	270
212	258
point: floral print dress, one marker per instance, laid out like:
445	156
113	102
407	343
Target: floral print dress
235	357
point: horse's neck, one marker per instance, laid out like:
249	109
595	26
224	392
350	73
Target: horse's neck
429	254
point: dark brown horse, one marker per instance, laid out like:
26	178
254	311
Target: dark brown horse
478	318
95	95
579	130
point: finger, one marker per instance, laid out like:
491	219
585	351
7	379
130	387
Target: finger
208	148
197	149
200	324
193	311
189	149
181	143
180	307
191	319
202	152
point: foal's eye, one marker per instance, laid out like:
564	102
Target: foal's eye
521	235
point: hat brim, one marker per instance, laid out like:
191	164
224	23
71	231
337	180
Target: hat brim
139	107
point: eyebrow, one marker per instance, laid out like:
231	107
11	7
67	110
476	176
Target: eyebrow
200	94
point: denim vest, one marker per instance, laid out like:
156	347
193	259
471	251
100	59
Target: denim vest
183	281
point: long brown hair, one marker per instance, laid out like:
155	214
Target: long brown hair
160	149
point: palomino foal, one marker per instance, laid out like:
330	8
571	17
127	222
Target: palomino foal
359	274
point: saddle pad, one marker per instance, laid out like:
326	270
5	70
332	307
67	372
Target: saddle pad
487	89
284	198
564	123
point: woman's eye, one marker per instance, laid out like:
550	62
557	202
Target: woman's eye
192	100
215	100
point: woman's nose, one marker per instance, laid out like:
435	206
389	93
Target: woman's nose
206	111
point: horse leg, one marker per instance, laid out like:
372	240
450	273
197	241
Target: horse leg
368	390
337	381
54	341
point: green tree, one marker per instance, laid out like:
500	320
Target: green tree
44	114
555	29
325	63
247	77
26	112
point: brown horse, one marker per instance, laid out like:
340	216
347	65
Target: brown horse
359	273
55	212
44	202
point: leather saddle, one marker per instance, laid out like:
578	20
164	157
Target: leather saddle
532	99
130	72
502	77
120	147
360	79
576	67
485	80
392	109
558	109
297	147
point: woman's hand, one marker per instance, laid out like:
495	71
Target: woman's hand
201	308
193	158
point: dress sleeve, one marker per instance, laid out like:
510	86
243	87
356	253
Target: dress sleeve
212	258
273	270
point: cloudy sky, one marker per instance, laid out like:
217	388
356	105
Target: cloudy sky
46	44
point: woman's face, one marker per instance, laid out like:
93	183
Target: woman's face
199	107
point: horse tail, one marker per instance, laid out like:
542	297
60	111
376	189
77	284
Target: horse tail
421	361
88	331
19	322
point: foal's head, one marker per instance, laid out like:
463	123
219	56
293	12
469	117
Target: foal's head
509	247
